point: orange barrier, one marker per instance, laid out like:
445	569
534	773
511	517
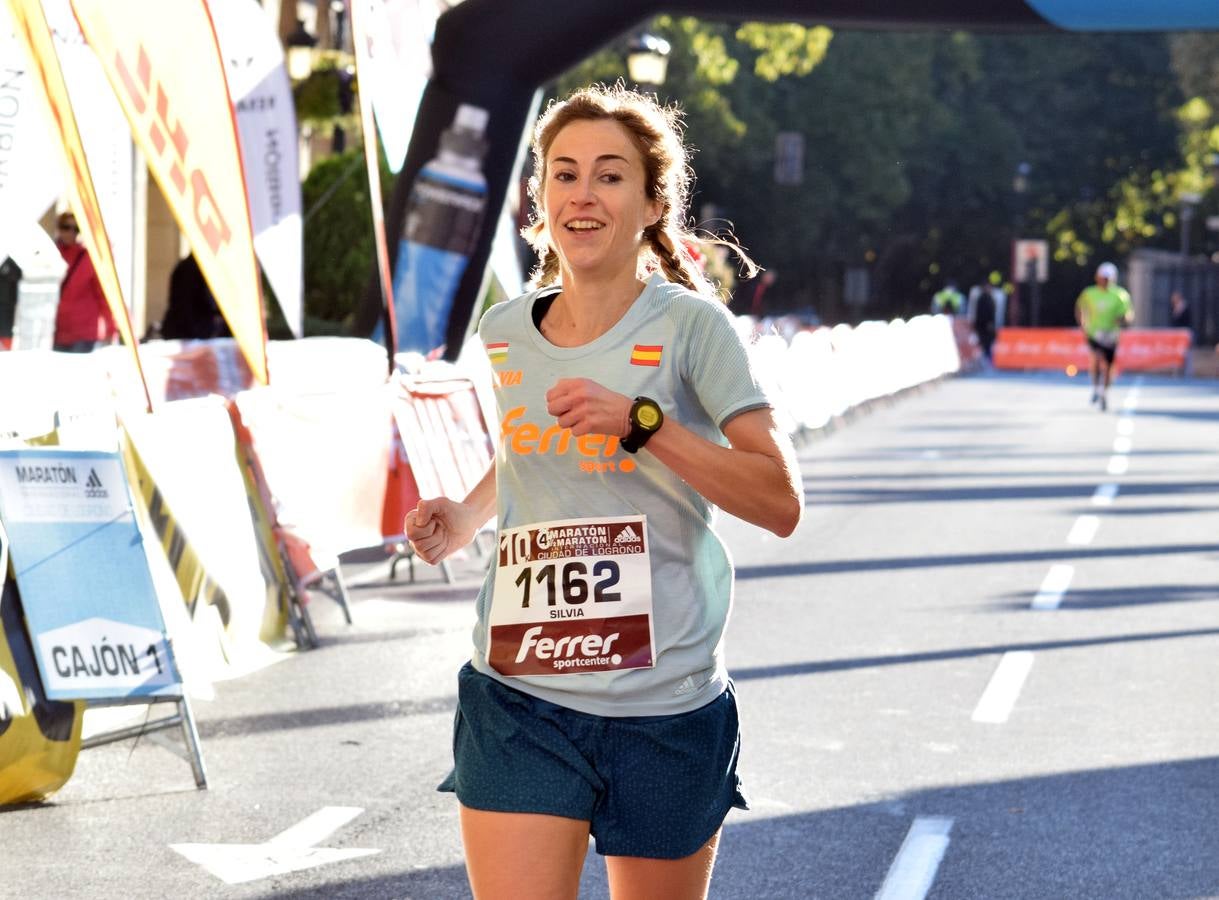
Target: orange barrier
1139	349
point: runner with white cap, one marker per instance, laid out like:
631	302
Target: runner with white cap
1102	310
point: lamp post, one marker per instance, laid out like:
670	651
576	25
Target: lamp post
1189	202
647	60
1022	279
300	44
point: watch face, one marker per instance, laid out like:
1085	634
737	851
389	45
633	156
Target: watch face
648	416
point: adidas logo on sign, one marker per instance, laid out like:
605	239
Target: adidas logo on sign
93	486
627	536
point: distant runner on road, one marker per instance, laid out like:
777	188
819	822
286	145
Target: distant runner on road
1102	310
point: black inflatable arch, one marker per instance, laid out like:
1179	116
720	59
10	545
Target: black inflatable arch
496	53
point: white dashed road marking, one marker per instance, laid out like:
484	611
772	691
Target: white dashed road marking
1056	582
913	870
1004	687
1083	530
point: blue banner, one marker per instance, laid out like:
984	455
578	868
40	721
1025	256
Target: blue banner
78	557
1129	15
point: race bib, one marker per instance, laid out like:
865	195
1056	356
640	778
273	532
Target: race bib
1105	338
572	595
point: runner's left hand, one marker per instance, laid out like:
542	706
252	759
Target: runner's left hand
587	407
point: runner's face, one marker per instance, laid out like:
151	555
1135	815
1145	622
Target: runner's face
594	199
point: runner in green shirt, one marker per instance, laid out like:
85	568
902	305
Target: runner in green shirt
1102	310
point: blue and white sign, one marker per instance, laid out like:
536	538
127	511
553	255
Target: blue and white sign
78	556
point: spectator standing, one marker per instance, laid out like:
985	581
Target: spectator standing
948	300
984	316
192	313
83	319
1180	315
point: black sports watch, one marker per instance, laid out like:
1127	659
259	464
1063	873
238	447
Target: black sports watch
646	419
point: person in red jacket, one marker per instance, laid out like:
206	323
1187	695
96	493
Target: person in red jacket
83	320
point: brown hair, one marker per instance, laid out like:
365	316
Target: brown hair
668	178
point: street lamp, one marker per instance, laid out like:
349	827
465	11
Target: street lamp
647	60
1020	181
300	44
1189	201
1020	187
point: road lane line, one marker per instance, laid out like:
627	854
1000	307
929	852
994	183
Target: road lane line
1125	425
1105	494
1004	687
1122	444
1118	465
1083	530
913	870
1056	582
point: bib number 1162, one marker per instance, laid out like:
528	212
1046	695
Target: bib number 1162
574	581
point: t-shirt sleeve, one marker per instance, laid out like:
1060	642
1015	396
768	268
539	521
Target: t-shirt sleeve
717	364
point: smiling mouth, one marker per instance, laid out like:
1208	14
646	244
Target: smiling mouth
583	225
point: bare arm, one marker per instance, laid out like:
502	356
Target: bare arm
439	527
756	479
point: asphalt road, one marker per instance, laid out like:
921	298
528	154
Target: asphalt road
984	667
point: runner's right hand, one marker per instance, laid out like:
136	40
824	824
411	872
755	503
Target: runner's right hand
439	527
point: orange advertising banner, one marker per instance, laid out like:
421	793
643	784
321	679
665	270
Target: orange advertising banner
164	63
33	31
1138	349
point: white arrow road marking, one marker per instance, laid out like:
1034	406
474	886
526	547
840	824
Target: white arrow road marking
289	851
913	870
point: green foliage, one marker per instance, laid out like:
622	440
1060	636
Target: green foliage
912	140
339	252
785	49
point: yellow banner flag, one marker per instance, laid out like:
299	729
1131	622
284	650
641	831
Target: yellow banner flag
32	30
164	63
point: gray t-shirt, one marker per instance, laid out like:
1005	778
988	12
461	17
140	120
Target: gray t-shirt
681	350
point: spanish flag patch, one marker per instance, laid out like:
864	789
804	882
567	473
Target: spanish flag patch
646	355
497	352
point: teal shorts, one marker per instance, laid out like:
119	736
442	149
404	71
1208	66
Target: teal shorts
651	786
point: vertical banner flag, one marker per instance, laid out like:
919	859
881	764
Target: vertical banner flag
164	63
103	134
266	124
394	55
33	31
362	14
30	178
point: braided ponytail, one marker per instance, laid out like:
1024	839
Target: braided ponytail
675	261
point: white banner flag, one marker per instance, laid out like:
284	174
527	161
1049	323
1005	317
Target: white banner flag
395	52
103	133
266	125
30	174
